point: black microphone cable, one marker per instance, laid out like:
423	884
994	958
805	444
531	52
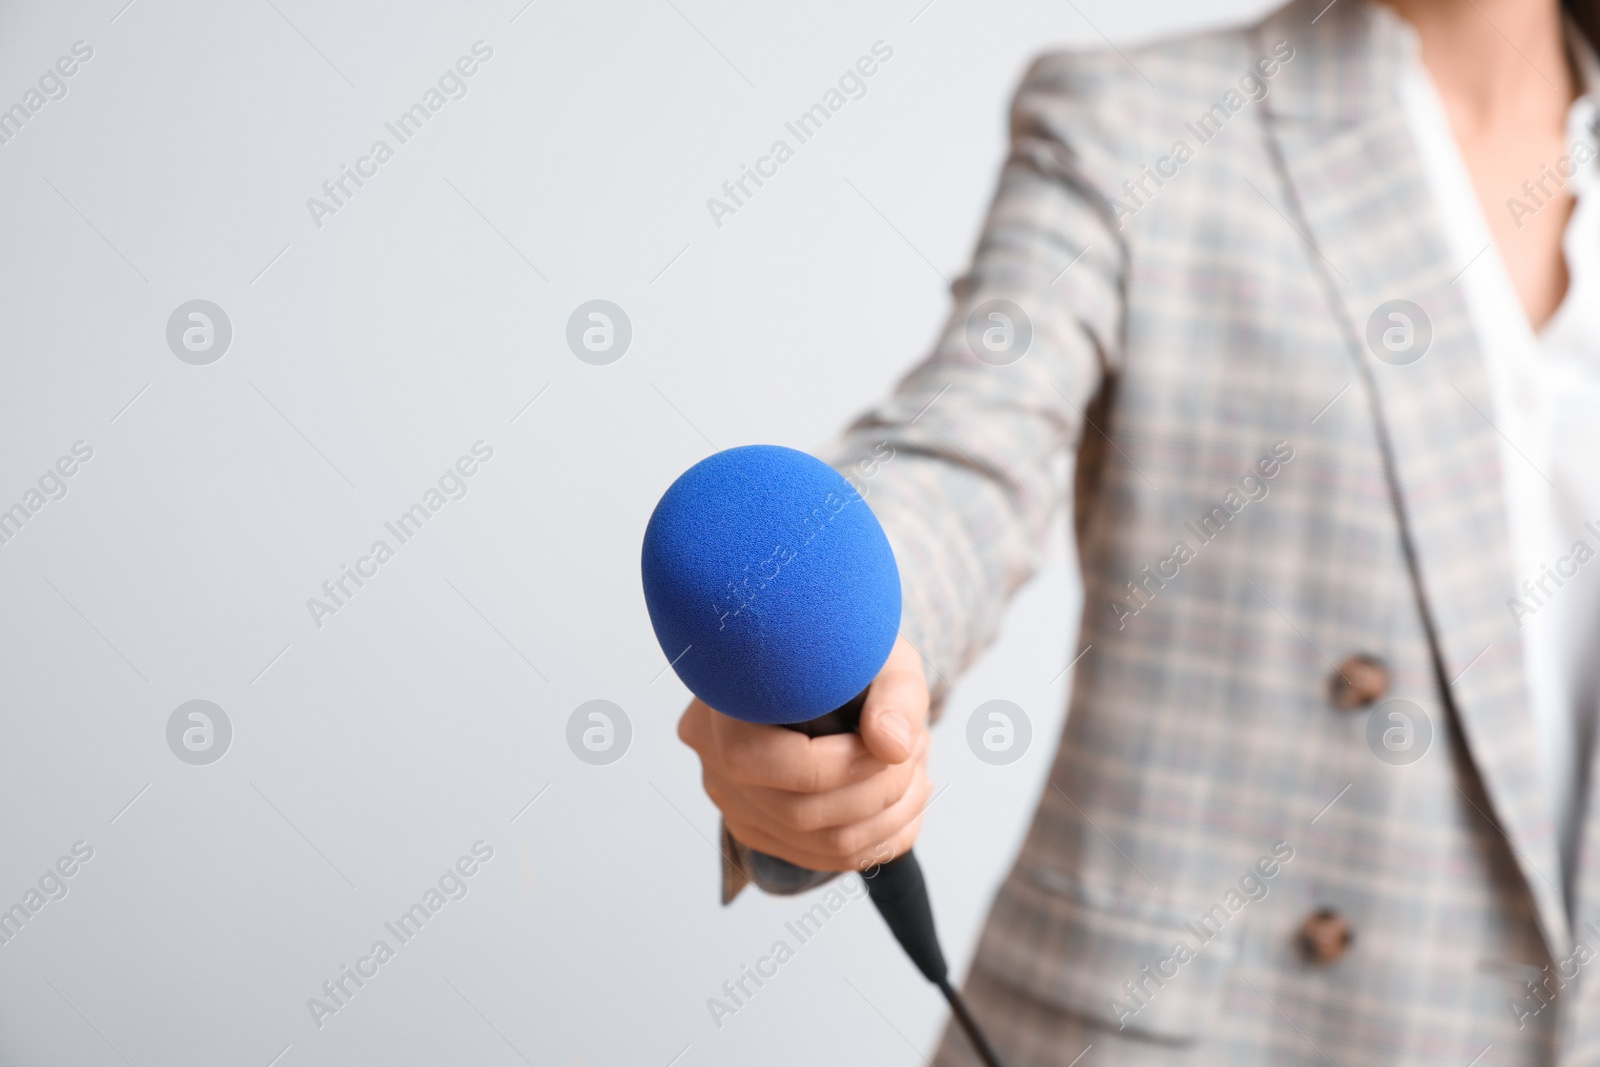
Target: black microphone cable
900	894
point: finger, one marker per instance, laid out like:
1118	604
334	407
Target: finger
896	708
858	839
779	758
890	848
848	804
880	851
838	847
733	800
754	836
693	727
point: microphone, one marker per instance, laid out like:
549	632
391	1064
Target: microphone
774	593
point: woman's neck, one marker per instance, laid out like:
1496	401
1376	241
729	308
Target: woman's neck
1506	82
1494	61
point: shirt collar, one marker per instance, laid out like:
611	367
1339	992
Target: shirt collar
1583	117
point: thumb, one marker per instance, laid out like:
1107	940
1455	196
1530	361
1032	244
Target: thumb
896	705
886	731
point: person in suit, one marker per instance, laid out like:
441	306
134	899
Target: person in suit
1303	319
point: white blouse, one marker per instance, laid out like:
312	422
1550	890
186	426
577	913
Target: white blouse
1545	389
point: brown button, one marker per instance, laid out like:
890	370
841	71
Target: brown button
1359	681
1324	936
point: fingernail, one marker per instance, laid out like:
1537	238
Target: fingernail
896	726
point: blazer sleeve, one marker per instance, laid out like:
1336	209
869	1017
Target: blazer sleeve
965	464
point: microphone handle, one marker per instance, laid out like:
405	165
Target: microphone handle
897	889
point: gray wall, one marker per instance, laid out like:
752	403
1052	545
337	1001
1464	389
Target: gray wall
371	347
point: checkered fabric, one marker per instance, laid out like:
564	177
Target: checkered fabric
1194	320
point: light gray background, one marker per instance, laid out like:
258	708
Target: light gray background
366	357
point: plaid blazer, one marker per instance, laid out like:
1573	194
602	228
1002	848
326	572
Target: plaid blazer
1296	815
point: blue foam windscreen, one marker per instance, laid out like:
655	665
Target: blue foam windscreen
770	584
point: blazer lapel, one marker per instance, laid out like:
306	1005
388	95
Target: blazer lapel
1356	183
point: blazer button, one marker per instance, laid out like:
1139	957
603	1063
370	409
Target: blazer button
1324	936
1360	681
